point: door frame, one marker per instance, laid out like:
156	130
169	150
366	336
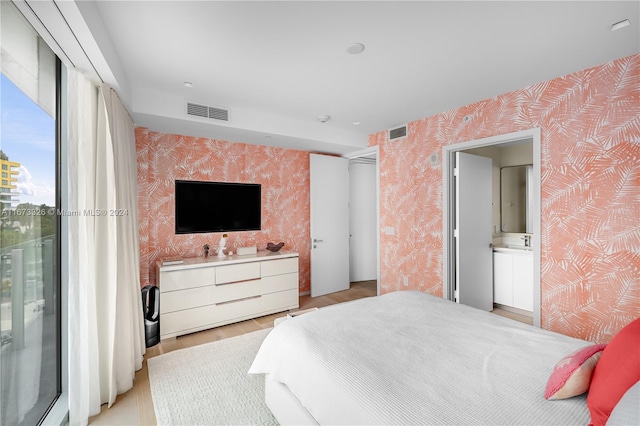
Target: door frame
368	152
448	208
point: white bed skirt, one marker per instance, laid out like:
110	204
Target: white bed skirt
284	405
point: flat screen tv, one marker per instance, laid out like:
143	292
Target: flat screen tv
217	207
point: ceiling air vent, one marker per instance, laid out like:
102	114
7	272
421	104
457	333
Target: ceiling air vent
207	112
398	133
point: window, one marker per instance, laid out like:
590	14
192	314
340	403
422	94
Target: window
30	359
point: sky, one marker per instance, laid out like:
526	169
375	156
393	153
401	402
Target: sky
27	136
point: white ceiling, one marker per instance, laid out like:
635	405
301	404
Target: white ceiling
277	66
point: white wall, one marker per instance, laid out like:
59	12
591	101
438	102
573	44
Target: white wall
516	155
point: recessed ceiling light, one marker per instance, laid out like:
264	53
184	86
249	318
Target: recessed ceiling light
188	84
324	118
355	48
356	123
619	25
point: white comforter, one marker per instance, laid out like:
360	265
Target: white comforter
412	358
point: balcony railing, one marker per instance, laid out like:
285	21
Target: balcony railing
27	271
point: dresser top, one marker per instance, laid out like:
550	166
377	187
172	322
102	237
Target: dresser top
201	262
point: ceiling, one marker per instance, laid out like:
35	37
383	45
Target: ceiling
277	66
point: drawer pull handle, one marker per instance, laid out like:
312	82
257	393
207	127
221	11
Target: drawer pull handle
238	300
238	282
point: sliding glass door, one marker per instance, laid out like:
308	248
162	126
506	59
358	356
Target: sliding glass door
30	360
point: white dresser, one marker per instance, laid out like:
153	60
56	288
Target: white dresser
203	293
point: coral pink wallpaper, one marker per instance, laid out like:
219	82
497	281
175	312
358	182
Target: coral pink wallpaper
590	242
590	210
163	158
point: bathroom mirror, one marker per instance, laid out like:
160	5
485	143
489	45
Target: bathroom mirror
515	190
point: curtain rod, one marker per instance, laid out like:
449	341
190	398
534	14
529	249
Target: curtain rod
77	41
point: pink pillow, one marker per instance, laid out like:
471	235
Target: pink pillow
617	371
572	374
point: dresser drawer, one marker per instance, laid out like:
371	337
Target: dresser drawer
237	290
235	273
209	295
280	266
245	289
279	283
186	278
183	322
258	305
188	321
186	299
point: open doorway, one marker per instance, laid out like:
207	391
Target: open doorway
451	246
364	269
330	203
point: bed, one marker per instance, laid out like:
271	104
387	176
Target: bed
411	358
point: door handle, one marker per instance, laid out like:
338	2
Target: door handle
317	241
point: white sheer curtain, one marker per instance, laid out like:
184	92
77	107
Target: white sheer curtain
106	332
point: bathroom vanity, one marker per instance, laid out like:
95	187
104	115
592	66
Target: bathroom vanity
513	277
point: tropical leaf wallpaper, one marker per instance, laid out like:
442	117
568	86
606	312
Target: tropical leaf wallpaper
164	158
590	185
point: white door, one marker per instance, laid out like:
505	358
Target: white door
363	244
474	255
329	182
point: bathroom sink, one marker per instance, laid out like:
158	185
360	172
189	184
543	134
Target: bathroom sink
512	248
519	247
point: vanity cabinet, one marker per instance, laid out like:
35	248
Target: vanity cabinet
502	278
204	293
513	279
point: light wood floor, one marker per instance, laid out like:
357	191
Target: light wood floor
513	315
135	407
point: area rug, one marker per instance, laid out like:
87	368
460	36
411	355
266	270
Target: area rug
209	385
